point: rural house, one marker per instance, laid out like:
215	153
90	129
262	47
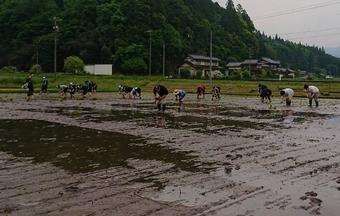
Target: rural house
255	65
199	66
270	63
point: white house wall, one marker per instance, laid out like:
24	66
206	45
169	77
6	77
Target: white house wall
99	69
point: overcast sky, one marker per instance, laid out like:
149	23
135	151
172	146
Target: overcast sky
318	19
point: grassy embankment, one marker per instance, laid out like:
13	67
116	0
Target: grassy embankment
12	82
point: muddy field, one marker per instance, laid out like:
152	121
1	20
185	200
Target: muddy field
108	156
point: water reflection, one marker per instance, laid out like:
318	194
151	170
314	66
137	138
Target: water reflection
83	150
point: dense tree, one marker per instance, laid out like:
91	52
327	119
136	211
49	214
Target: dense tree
74	64
114	31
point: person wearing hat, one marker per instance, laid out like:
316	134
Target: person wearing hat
44	85
179	94
72	88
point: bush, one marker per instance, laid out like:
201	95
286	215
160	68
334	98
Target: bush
35	69
74	64
235	74
8	69
185	74
217	75
199	74
134	65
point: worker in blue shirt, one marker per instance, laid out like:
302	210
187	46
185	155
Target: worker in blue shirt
179	94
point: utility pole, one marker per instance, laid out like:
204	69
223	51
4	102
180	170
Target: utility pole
163	60
249	62
150	50
210	66
37	50
56	30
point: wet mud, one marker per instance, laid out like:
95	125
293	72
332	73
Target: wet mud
110	156
83	150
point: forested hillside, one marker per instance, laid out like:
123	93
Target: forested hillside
114	31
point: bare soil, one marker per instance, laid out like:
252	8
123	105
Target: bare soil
107	156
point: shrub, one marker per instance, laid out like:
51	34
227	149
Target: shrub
35	69
217	75
74	64
185	73
245	74
8	69
199	74
235	74
134	65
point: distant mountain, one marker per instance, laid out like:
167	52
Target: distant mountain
334	51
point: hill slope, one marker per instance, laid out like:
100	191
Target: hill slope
335	51
114	31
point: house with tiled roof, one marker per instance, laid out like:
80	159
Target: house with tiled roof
255	65
199	66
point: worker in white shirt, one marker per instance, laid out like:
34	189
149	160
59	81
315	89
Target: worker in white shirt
313	93
287	95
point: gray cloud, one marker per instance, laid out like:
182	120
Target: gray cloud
321	23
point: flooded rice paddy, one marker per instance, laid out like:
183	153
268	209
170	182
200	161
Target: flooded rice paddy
109	156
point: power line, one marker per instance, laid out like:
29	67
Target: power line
298	10
314	36
311	31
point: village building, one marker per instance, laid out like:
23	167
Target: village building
286	72
234	66
254	65
199	66
270	63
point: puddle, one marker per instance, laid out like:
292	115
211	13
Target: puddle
200	118
334	121
151	118
79	150
188	195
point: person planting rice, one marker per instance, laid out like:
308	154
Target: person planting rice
216	92
160	92
136	92
265	93
201	91
29	86
179	94
287	95
72	88
44	85
63	89
125	90
313	93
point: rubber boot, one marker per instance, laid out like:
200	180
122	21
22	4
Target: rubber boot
164	107
310	102
159	107
316	103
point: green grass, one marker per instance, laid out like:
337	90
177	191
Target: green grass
11	83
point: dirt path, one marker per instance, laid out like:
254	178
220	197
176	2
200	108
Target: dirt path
107	156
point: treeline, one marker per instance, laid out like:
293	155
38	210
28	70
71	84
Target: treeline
115	32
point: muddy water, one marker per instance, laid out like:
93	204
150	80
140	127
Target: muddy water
83	150
200	118
233	157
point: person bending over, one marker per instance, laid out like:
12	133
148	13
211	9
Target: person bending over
160	92
313	93
287	95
